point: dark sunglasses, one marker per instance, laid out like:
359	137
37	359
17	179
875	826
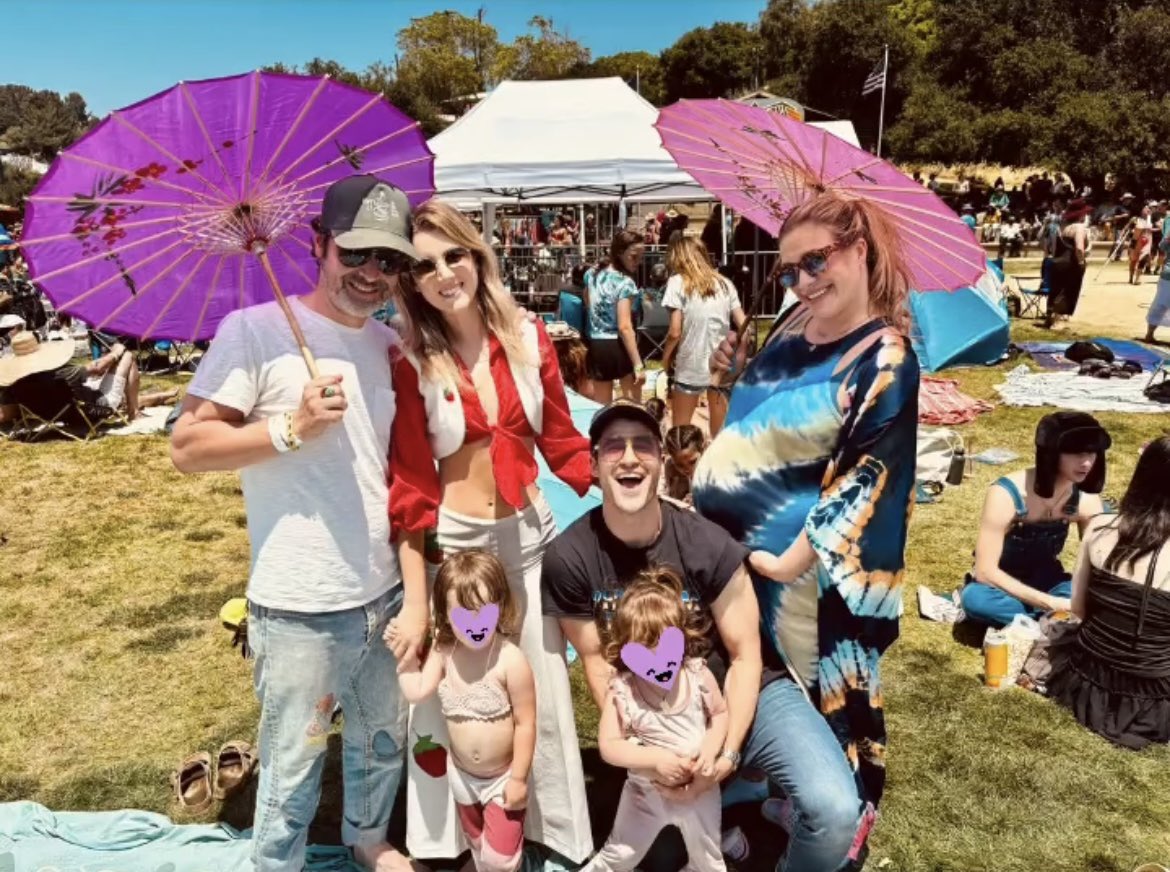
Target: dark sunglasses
427	266
812	262
390	262
613	448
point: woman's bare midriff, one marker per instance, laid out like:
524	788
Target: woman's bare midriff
468	483
481	748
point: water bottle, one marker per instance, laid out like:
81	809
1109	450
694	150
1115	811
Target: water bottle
958	465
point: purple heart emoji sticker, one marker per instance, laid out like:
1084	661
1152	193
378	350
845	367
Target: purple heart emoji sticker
660	666
476	628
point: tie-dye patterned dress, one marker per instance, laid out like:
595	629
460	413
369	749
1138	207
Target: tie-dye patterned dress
821	439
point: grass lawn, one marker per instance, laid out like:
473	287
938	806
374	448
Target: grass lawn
115	665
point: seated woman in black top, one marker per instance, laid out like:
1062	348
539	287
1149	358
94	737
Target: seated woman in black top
1116	678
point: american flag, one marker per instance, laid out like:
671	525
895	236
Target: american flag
876	80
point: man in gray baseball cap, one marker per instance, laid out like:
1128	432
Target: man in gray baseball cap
324	580
363	212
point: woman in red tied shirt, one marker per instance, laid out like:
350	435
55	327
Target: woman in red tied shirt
477	389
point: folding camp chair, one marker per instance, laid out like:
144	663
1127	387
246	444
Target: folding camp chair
33	427
1032	292
74	421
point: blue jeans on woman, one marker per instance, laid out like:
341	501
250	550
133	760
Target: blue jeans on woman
306	665
792	743
992	606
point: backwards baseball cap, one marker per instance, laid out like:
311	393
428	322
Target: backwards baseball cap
621	409
365	212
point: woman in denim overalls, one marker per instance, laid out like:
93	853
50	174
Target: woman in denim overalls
1025	522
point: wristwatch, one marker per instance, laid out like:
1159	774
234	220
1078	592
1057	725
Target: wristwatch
734	756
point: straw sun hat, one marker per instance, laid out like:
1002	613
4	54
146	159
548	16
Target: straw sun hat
32	356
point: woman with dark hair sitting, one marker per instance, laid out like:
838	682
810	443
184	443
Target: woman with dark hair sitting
1116	678
1025	522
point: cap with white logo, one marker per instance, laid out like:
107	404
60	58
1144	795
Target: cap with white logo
365	212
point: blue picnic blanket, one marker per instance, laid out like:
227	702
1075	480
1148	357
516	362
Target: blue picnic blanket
34	839
1050	355
565	504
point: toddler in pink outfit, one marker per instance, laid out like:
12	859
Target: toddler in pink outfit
665	723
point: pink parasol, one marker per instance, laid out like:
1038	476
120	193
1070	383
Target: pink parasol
175	211
763	165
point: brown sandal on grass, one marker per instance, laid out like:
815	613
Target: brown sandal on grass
192	783
234	766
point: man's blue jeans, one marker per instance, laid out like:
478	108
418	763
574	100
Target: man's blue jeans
792	742
306	665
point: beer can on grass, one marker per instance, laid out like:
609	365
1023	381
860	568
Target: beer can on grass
995	658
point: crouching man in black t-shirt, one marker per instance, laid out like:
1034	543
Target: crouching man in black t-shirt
587	567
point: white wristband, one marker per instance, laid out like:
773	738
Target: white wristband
276	434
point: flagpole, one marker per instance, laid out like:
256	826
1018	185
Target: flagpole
882	110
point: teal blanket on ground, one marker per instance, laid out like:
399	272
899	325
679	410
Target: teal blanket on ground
34	839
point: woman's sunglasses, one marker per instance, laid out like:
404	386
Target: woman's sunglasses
812	262
427	266
390	262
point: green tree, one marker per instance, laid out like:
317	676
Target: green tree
638	68
41	123
547	54
918	19
445	55
1140	54
716	61
15	185
784	27
378	79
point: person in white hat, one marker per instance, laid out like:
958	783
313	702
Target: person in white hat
39	377
10	325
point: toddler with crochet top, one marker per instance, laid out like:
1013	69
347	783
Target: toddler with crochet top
665	720
488	698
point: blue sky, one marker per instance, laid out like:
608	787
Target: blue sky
115	52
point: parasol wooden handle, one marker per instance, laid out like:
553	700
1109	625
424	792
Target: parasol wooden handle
310	361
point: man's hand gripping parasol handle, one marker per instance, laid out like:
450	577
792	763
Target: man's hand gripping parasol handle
310	361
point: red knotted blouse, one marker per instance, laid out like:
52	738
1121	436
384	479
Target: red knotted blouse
414	478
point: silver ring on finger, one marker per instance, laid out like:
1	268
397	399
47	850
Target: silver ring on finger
329	392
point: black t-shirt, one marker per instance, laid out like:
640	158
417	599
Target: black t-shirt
46	393
586	569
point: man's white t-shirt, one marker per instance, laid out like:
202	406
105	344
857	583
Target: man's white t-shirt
317	517
706	321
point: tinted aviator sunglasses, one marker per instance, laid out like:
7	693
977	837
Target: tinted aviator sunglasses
812	262
613	448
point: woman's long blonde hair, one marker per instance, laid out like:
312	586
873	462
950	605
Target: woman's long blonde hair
425	330
850	219
688	257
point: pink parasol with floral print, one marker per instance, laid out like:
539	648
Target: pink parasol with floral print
763	165
175	211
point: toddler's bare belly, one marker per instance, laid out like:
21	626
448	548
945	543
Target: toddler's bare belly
481	748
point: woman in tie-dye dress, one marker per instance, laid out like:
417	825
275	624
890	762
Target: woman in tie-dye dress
814	470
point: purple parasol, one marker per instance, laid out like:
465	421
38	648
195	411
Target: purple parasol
763	165
177	210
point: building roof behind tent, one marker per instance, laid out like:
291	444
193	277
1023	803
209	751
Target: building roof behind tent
568	140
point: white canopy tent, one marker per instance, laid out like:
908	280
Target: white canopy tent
565	141
560	142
